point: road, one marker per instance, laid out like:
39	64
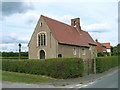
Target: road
108	82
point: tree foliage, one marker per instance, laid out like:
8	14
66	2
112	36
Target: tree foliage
14	54
100	54
115	51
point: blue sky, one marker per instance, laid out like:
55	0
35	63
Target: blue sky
18	20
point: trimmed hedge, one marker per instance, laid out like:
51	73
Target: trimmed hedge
62	68
105	63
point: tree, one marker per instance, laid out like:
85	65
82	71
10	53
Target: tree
115	50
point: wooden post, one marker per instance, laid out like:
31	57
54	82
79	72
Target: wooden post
88	66
19	50
94	64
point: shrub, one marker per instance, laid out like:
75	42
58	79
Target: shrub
108	53
105	63
100	54
57	68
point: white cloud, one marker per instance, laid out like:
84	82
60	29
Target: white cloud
98	27
2	45
31	17
67	18
27	18
13	35
13	47
105	37
52	1
64	18
14	38
8	47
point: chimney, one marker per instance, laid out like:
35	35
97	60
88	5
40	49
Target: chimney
76	23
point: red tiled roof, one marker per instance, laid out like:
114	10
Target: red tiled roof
107	45
100	48
67	34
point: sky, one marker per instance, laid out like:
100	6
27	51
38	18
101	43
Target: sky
18	19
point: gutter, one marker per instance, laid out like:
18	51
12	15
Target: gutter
73	45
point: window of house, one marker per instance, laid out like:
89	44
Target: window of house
38	40
41	24
42	39
41	35
83	51
74	51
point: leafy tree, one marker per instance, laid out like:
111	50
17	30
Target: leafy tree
13	54
115	50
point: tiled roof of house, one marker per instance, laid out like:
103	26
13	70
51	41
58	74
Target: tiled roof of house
100	47
67	34
107	45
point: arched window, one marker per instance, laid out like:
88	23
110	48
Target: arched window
42	39
38	40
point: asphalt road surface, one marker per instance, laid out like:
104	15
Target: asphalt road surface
110	81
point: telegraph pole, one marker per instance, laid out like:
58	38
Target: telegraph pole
19	49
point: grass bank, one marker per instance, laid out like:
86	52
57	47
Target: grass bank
25	78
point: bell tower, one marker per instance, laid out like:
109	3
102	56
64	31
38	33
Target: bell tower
76	23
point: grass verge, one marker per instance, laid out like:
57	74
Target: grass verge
24	78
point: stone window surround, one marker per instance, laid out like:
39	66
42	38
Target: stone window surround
45	36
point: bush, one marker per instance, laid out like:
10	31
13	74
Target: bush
56	68
105	63
108	53
100	54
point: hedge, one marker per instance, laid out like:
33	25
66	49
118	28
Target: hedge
105	63
62	68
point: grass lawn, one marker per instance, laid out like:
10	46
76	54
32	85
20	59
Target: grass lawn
24	78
